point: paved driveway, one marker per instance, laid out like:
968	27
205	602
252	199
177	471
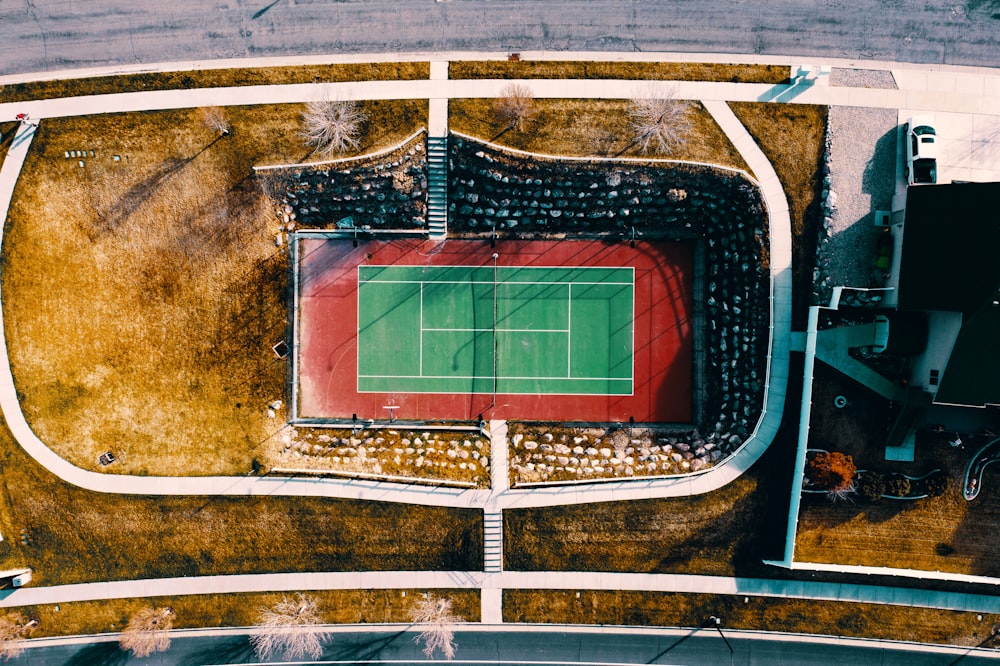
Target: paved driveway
968	145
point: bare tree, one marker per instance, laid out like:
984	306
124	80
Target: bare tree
214	118
659	123
332	126
289	629
13	630
148	631
438	621
515	107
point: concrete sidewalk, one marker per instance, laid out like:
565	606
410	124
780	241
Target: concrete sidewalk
508	580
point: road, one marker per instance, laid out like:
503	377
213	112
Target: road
694	647
59	34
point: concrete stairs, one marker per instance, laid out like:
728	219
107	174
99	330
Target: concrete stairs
493	541
437	186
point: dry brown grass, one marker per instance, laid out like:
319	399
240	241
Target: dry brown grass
677	71
905	623
240	610
215	78
153	283
591	128
80	536
791	136
704	534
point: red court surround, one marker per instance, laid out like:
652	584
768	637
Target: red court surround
327	330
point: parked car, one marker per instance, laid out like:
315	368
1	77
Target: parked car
921	151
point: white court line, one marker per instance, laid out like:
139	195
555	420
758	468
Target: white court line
530	378
500	330
513	283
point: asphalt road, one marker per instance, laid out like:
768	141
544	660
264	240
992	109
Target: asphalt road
40	35
702	647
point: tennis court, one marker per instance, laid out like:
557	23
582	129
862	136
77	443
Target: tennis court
555	330
486	329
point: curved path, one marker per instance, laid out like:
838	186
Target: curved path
43	36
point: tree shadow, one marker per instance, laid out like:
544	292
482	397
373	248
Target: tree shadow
124	206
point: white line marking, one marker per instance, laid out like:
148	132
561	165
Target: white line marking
421	368
569	331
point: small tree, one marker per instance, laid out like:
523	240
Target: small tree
434	614
13	630
214	118
515	107
332	126
871	486
289	629
833	472
147	631
659	123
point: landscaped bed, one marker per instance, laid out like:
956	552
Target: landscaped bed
388	453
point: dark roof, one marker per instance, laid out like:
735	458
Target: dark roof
951	262
951	237
973	373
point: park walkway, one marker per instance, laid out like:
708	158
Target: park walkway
507	580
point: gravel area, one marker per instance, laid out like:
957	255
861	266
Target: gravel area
861	154
862	78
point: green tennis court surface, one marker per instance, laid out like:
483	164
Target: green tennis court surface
515	330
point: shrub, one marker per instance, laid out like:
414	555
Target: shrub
831	471
936	484
332	126
659	124
871	486
897	486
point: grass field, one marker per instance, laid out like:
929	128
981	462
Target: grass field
585	128
674	71
475	329
78	536
153	283
214	78
924	625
